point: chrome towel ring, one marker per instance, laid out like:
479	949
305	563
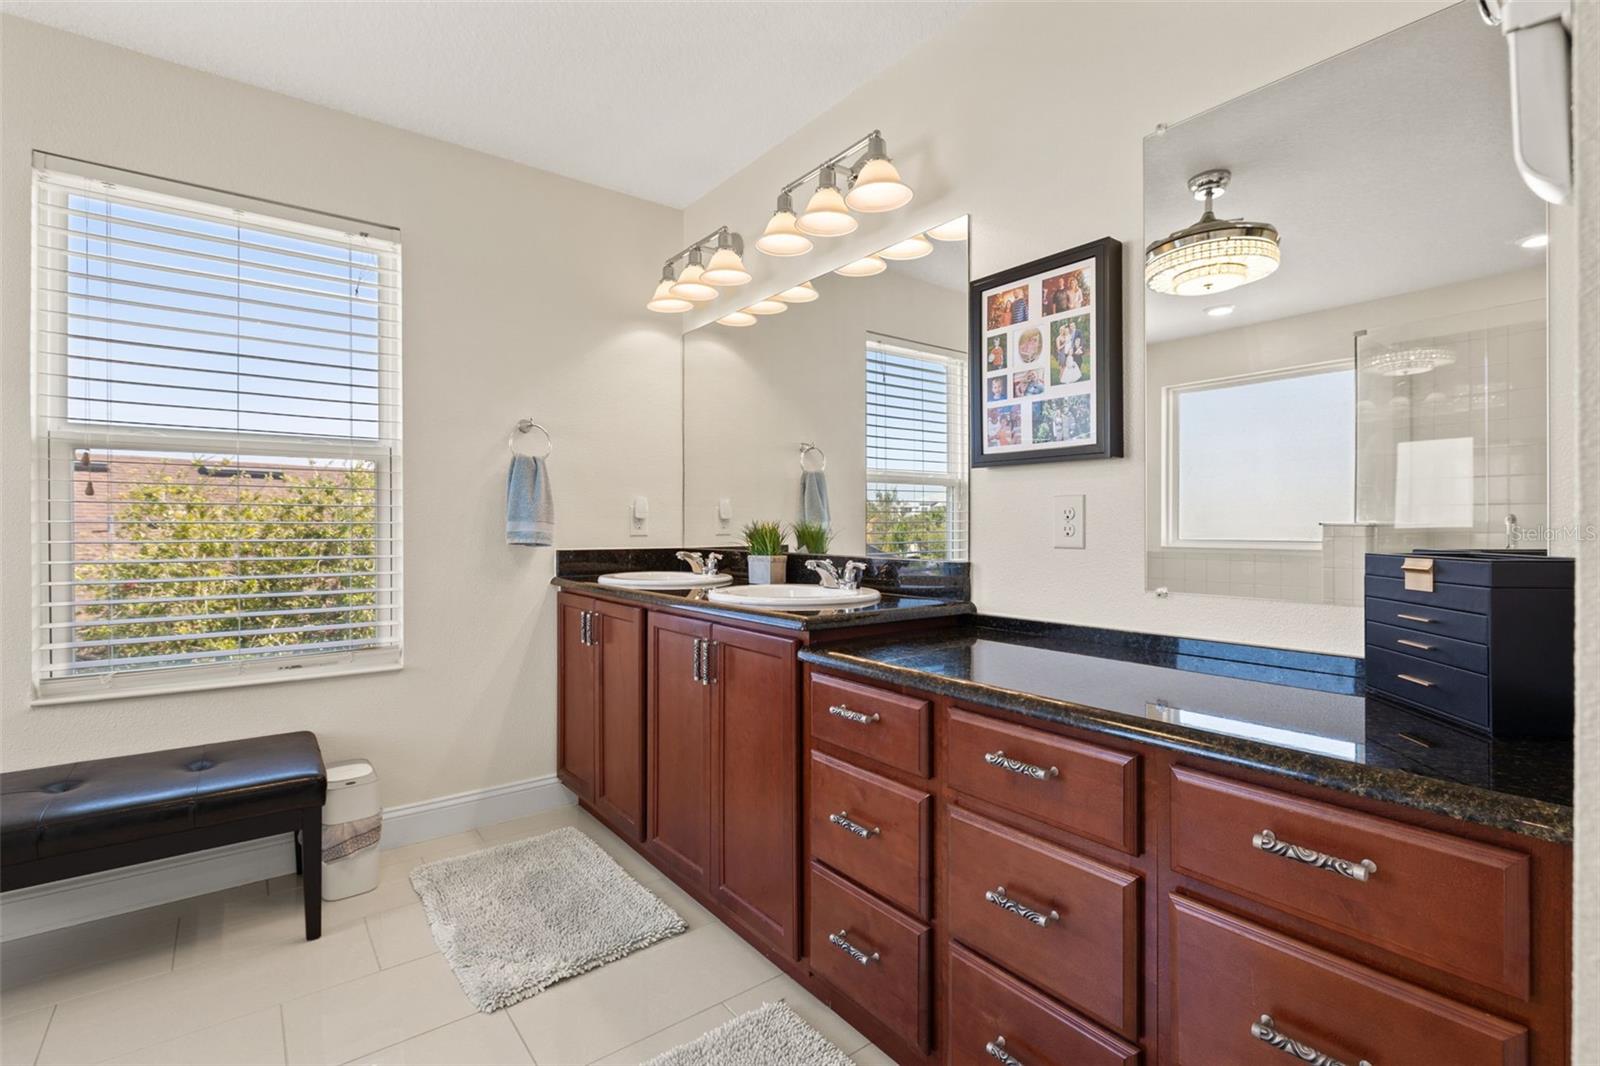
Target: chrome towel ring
810	453
528	425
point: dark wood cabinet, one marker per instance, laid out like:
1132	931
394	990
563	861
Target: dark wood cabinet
600	721
755	790
678	816
577	722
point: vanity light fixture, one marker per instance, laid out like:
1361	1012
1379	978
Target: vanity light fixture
1213	255
690	284
1220	311
802	293
663	300
781	237
864	267
726	268
1534	242
913	247
698	282
1409	359
738	318
767	307
877	185
954	230
826	214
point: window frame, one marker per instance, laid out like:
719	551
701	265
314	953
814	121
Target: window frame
57	438
1170	487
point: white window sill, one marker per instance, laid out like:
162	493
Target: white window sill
52	694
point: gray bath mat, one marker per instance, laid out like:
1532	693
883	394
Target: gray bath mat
772	1033
513	920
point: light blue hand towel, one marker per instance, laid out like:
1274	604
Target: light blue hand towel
814	498
530	509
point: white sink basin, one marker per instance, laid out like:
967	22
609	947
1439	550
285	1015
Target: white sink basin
665	580
792	597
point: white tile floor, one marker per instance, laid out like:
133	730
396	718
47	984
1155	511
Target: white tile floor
228	979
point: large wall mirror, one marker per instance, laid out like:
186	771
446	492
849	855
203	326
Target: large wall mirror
1383	388
847	397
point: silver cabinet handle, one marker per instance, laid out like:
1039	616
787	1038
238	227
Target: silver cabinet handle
713	650
1415	618
1415	644
1268	841
1266	1031
1415	680
699	661
998	897
838	940
848	715
996	1049
1016	766
843	821
583	627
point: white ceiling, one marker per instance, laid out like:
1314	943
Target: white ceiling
1386	170
660	100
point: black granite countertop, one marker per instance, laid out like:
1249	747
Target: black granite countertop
892	607
1296	714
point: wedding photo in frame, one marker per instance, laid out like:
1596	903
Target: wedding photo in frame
1046	358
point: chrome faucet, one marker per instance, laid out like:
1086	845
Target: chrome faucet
850	580
699	565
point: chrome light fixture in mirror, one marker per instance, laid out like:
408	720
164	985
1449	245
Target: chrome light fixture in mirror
1380	386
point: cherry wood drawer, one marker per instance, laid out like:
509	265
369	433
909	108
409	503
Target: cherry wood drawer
885	726
1064	922
872	830
988	1008
1236	984
1454	904
1081	788
872	953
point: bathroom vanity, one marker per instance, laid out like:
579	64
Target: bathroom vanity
988	840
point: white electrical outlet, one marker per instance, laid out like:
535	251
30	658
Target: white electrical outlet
639	517
1067	517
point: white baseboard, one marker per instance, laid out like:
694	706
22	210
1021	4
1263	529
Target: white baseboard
41	908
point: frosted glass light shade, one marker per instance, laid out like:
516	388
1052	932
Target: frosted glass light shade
911	248
690	285
665	302
725	269
802	293
738	318
1210	266
767	307
954	230
826	215
781	238
864	267
878	188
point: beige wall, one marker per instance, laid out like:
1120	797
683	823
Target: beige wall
507	313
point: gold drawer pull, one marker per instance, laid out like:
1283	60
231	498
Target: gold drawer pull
1415	680
1414	618
1268	841
1415	644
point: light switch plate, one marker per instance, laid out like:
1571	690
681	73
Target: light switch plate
639	517
1067	518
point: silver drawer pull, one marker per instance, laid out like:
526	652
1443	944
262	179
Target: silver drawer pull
1415	644
1016	766
1414	618
843	821
998	897
1268	841
848	715
1415	680
1266	1031
838	940
996	1049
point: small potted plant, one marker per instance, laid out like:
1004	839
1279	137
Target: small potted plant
811	538
769	558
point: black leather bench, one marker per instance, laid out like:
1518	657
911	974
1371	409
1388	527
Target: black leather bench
80	818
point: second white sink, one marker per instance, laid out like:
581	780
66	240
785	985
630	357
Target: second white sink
665	580
792	597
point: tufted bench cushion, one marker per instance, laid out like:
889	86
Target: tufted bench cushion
63	821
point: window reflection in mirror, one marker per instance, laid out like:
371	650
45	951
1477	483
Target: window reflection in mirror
1384	388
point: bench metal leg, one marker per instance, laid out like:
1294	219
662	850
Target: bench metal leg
310	856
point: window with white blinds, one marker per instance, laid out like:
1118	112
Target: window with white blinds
916	450
217	437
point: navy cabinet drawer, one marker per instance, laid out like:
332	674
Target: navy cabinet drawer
1458	694
1505	570
1461	654
1435	621
1474	599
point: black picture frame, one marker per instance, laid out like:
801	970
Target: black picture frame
1105	312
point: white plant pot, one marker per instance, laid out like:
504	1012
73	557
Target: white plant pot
768	569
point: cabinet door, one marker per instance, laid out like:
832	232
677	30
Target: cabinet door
678	775
755	855
578	710
619	783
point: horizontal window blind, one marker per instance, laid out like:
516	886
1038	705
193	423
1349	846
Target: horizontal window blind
217	393
916	450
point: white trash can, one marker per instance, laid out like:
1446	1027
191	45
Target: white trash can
352	822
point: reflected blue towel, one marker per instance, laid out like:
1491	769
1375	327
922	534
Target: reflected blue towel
530	509
814	498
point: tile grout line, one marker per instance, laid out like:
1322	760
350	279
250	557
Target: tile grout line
39	1051
659	1031
283	1033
